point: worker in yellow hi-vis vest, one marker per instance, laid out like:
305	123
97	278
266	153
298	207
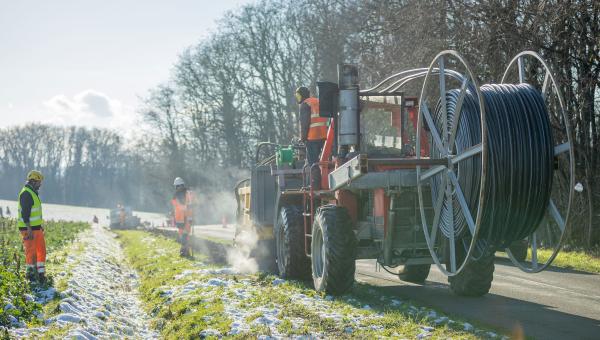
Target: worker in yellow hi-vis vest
30	223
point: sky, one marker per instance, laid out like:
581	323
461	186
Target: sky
77	62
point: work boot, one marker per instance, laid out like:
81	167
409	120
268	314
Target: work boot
185	252
42	280
31	275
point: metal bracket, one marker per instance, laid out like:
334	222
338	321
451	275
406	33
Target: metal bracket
349	171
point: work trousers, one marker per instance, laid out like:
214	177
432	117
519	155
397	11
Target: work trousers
35	251
313	150
313	154
184	230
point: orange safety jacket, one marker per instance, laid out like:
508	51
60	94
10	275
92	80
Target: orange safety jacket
318	125
182	211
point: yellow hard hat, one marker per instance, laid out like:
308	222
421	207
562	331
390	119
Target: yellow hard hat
35	176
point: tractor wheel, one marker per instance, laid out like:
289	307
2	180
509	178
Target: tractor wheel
333	250
519	250
475	279
415	273
292	261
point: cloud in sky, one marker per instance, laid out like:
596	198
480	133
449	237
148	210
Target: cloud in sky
89	108
87	103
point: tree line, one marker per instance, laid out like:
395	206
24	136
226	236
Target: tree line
236	87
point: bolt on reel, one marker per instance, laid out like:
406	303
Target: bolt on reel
501	144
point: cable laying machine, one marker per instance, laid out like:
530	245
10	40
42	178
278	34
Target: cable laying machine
448	176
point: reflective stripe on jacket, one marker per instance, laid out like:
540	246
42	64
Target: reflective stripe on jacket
318	125
35	219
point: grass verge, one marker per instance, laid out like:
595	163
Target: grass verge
18	305
572	259
191	298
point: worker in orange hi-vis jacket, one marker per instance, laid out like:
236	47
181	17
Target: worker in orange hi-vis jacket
30	223
183	204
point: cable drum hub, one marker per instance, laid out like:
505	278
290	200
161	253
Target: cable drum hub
520	163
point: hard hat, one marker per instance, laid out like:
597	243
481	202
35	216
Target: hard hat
35	175
302	93
178	181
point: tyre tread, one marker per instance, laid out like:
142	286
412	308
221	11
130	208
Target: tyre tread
341	248
298	264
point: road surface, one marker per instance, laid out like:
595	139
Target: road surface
554	304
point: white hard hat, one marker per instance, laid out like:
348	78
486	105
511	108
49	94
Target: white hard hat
178	181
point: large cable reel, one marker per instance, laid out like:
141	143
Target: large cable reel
499	183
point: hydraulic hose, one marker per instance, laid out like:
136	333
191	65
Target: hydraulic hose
519	163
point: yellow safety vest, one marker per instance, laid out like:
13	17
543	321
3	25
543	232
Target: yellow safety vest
35	219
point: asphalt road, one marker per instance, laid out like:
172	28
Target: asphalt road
554	304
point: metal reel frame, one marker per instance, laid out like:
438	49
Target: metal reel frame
444	142
563	223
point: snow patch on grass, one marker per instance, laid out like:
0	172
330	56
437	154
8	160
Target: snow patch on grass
226	302
100	299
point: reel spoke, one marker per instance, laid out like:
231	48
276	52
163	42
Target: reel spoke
433	129
468	153
462	201
556	216
534	258
562	148
545	84
432	172
521	66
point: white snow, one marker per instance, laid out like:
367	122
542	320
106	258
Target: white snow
101	299
277	282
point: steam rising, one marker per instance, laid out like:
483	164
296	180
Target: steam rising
239	256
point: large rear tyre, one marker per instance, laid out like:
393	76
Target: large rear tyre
519	250
292	261
415	273
333	250
475	279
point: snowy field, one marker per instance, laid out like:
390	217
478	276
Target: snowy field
77	213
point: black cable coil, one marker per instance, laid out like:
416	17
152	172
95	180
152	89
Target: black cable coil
519	165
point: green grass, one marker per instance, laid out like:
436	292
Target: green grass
578	260
299	309
157	261
13	284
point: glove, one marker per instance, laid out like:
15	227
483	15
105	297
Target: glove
29	235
